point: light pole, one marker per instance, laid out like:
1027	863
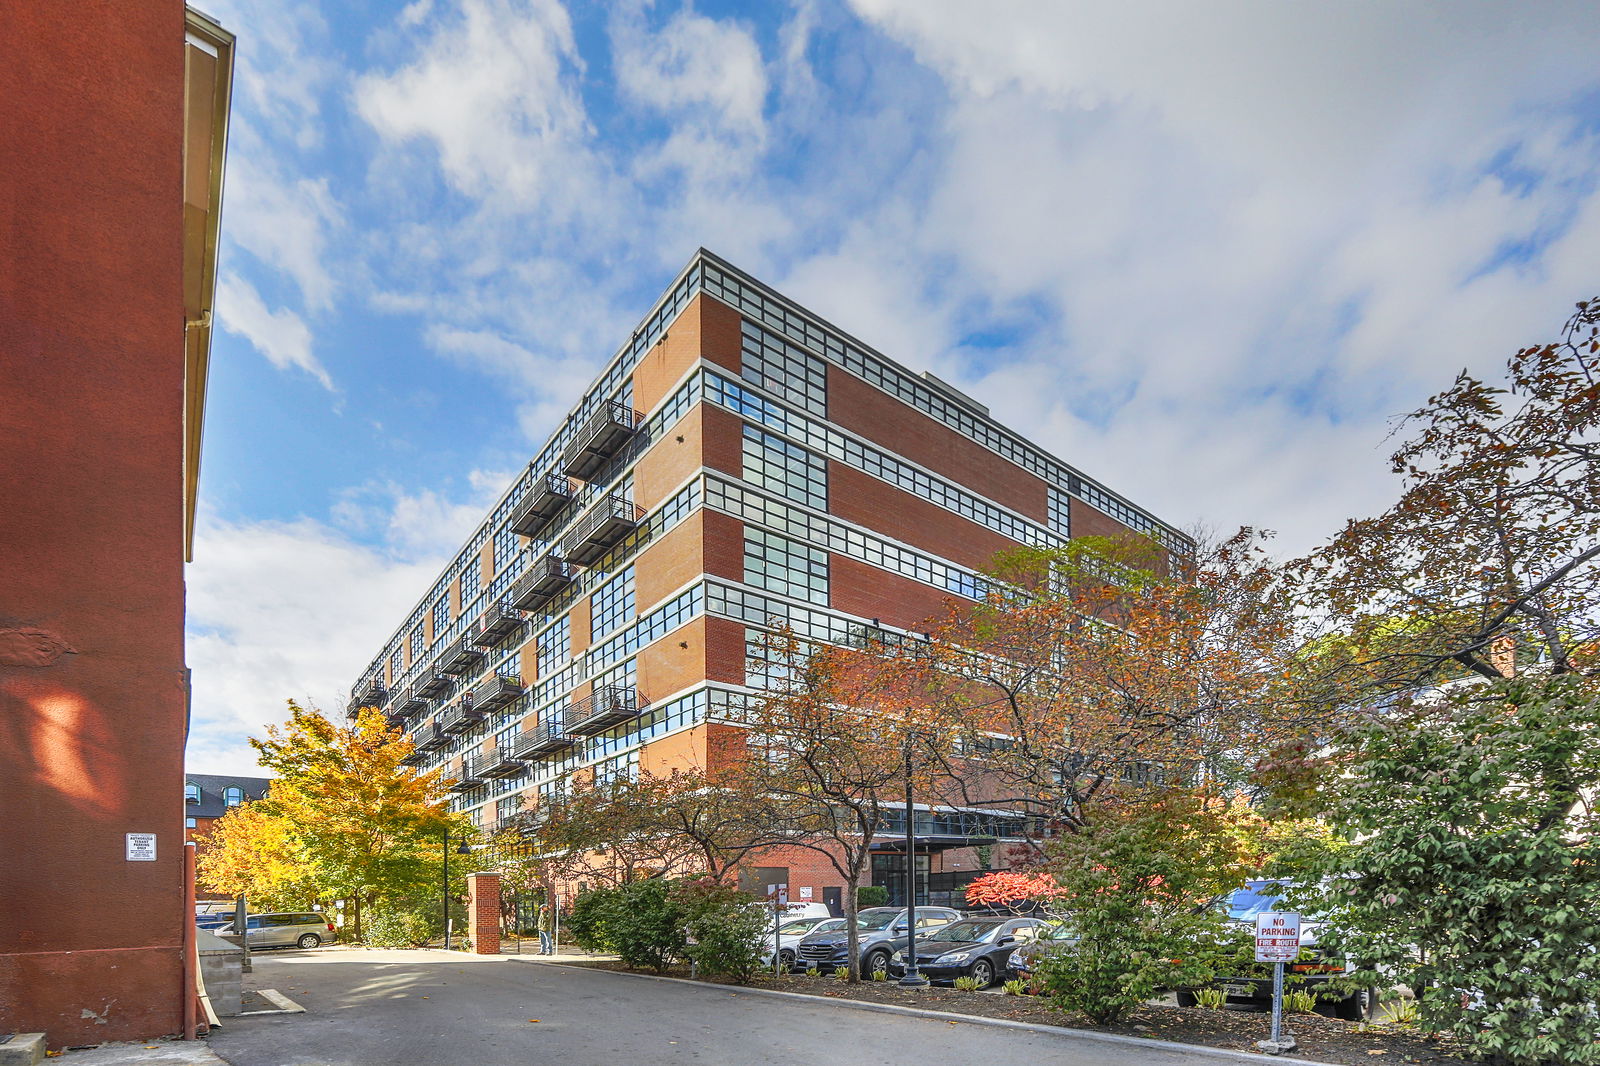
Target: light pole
463	849
912	978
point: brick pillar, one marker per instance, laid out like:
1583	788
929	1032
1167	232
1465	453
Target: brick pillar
483	913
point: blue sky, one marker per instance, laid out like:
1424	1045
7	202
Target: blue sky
1204	252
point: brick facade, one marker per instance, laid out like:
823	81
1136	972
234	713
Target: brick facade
483	913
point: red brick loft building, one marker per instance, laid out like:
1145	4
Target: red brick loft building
113	132
739	460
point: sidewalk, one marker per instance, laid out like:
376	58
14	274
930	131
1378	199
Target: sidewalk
567	953
154	1053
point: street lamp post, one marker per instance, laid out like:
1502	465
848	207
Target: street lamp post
444	888
912	978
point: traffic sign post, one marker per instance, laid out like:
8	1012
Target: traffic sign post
1277	942
779	895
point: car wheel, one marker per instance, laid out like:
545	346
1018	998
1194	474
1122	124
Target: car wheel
310	940
877	960
786	959
1358	1007
983	972
1187	999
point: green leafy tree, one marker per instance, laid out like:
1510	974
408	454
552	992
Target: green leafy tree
1475	875
1134	884
354	823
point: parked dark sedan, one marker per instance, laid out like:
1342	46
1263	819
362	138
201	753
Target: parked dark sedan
972	947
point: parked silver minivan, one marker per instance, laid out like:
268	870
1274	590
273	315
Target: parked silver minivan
305	929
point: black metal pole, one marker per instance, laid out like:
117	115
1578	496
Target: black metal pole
912	978
444	894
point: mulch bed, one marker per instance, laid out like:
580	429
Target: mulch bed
1323	1039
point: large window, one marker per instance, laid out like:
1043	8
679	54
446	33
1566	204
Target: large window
793	374
416	644
612	604
441	617
471	576
555	646
787	469
785	566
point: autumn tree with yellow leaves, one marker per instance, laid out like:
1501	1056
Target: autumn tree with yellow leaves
343	820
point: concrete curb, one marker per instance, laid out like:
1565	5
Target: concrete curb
971	1019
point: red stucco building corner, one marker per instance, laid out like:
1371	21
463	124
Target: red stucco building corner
114	130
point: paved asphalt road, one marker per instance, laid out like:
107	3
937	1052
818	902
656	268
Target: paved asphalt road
377	1008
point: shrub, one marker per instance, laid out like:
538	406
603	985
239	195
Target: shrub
841	973
728	929
812	971
588	924
1016	988
1135	881
645	924
1211	998
1296	1002
872	896
967	984
880	975
398	929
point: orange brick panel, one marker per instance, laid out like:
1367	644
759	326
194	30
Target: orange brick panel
861	589
670	563
669	462
722	440
724	546
724	651
680	751
902	429
665	668
863	499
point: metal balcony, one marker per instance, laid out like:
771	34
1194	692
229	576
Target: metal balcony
541	503
607	430
606	706
467	776
542	739
367	694
396	718
411	703
416	758
461	656
430	737
432	682
602	526
460	716
496	692
498	621
500	762
546	577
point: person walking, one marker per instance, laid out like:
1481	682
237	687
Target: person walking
546	944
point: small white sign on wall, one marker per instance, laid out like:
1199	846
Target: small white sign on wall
805	893
141	847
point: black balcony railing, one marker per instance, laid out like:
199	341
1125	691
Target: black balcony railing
467	776
602	526
500	762
541	739
498	621
461	656
412	703
416	758
460	716
430	737
547	576
541	503
367	694
432	682
605	706
607	430
496	692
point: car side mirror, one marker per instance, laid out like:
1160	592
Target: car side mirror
901	928
1008	940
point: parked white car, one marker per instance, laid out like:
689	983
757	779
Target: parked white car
780	947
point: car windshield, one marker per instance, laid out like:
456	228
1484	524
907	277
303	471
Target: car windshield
797	927
1058	931
878	920
1251	900
965	931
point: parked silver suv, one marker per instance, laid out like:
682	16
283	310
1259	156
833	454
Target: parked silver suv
304	929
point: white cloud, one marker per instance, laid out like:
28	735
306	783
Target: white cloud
487	93
283	610
282	336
